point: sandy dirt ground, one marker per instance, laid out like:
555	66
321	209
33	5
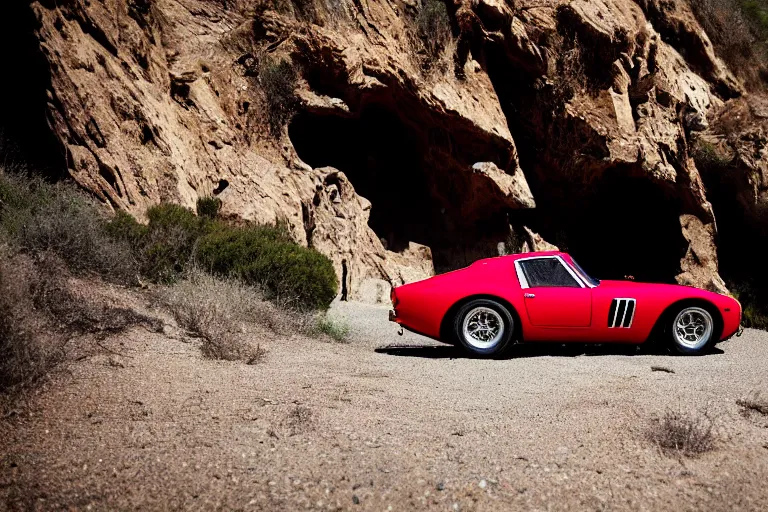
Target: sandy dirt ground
147	423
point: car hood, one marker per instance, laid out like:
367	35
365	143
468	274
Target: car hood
660	287
614	284
635	284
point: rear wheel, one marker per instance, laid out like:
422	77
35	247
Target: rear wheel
692	330
484	327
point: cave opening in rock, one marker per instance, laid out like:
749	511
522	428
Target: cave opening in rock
742	235
620	224
382	159
624	226
24	129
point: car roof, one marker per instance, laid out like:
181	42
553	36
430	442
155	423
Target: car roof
513	257
535	254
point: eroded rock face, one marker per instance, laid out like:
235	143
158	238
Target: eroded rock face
551	109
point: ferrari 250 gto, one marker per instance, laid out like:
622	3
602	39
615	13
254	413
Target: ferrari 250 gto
547	296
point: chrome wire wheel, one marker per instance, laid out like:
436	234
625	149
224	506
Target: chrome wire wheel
483	327
693	328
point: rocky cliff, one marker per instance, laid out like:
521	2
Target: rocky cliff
401	137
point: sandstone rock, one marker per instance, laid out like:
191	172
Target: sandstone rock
535	243
162	101
699	264
490	184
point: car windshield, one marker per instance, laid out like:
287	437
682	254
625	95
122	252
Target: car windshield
589	279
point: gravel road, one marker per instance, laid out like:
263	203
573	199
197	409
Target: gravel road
385	423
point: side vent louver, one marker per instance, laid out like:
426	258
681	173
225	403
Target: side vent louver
621	313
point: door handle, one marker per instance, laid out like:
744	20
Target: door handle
530	295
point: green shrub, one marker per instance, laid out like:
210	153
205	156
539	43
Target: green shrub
754	312
278	81
123	226
208	207
39	217
755	317
756	13
165	245
708	158
265	256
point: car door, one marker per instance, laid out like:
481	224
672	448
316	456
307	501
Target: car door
553	295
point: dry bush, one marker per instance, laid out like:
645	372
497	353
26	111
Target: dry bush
26	351
278	80
432	38
218	311
215	310
335	329
40	310
40	217
300	419
688	434
571	78
754	404
739	31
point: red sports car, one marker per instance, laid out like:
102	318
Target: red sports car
547	296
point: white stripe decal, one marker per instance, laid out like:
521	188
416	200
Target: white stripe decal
615	313
623	316
625	302
632	318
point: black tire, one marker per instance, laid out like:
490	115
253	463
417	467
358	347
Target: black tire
692	330
488	313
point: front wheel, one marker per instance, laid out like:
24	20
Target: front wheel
484	327
692	330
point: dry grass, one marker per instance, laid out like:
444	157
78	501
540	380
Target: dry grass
218	310
739	31
754	404
40	217
300	419
328	326
683	433
432	42
40	310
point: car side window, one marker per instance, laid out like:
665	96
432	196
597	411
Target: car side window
547	272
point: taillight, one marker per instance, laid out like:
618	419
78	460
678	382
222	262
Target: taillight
393	297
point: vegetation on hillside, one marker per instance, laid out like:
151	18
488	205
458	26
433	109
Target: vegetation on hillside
739	31
52	232
432	38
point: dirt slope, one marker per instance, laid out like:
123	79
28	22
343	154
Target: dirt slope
151	425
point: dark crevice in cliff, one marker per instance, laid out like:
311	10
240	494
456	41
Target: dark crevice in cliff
742	230
623	226
409	175
26	80
613	223
383	162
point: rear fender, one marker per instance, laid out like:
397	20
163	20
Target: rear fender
662	323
